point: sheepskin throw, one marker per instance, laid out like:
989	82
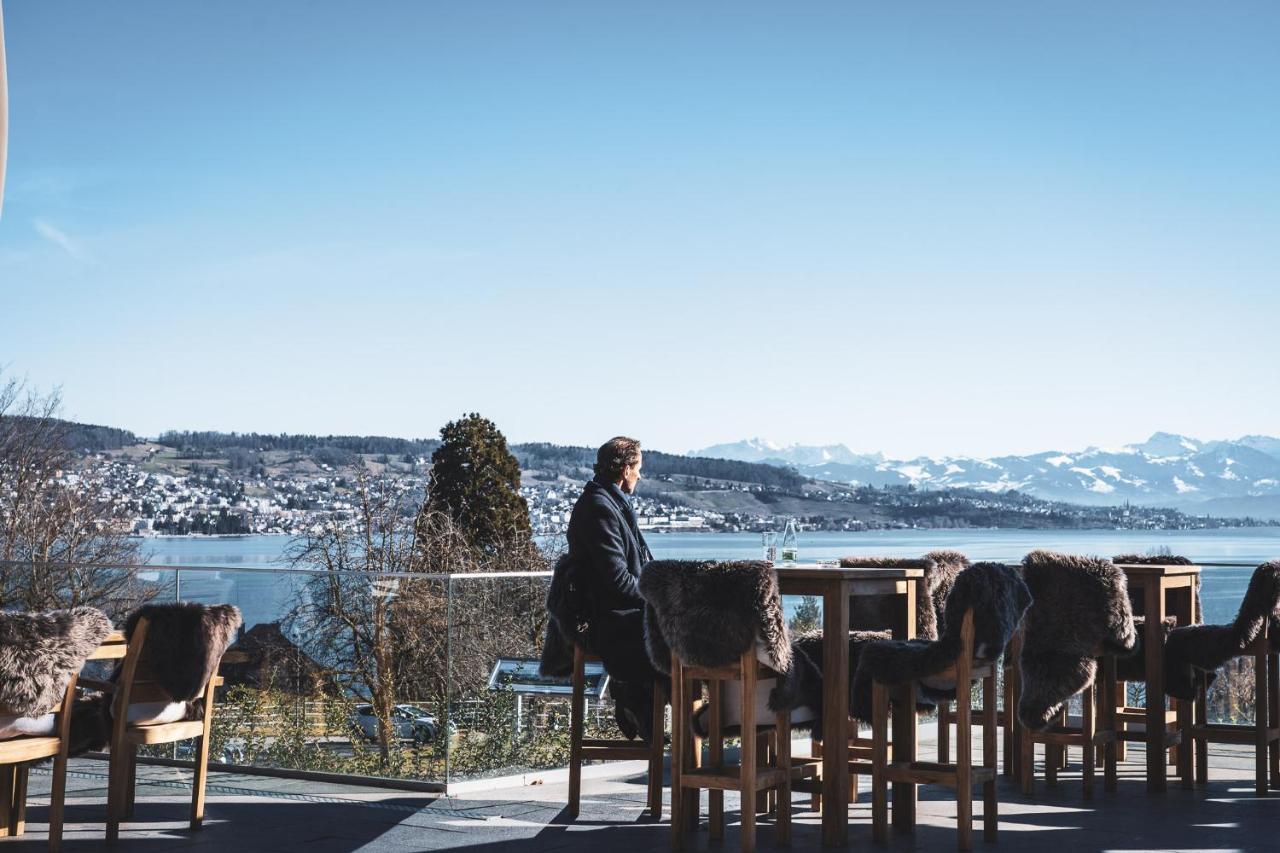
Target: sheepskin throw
802	688
940	570
710	613
40	652
566	622
1203	648
997	597
1080	610
185	642
1161	560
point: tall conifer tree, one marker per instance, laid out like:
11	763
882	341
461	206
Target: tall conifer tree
475	480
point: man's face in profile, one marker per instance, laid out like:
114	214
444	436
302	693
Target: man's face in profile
631	475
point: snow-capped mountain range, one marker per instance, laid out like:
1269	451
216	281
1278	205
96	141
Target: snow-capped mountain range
1237	477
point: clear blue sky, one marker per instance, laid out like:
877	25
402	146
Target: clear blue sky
955	228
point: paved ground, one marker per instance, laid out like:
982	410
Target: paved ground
253	813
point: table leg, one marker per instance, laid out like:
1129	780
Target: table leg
905	740
835	714
1153	592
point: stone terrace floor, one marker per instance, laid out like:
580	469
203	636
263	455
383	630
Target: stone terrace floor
256	813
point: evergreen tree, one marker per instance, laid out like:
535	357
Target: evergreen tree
475	480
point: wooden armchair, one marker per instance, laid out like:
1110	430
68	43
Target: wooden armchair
135	684
17	755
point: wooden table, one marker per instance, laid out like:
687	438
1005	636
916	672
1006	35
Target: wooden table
1165	591
836	586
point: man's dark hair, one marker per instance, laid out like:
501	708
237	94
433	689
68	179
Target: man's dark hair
615	455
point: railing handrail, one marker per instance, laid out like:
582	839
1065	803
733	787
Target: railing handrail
437	576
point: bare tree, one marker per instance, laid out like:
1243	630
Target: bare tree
343	616
63	542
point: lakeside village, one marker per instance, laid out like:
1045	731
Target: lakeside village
214	502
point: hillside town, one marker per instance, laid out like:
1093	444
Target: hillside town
209	500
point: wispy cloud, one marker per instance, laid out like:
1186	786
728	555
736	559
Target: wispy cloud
59	238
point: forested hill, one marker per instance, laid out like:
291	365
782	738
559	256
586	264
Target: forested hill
557	459
216	443
541	456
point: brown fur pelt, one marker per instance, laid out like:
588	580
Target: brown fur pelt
185	642
565	621
710	613
804	684
1203	648
1158	560
940	570
40	652
996	595
1080	610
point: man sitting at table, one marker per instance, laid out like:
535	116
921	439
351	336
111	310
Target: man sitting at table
608	553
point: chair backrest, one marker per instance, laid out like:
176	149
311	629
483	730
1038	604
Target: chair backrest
40	653
711	613
183	645
941	567
1080	610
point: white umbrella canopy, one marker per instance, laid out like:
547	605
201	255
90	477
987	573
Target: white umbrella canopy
4	111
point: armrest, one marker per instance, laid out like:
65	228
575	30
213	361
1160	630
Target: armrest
218	681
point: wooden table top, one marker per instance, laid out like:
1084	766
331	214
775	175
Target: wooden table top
814	571
1153	570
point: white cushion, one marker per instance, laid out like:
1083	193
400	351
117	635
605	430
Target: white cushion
732	714
26	726
155	713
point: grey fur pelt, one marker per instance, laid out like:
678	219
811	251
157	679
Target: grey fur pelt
1080	610
40	652
185	642
804	683
564	622
940	570
1162	560
710	613
1204	648
998	598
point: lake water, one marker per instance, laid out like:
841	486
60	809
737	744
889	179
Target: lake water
265	596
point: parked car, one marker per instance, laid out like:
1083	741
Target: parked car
407	722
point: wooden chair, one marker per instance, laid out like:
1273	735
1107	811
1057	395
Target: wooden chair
135	685
1263	734
747	777
963	773
18	754
597	749
1194	652
1096	732
1006	718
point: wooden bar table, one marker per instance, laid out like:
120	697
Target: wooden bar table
835	587
1164	591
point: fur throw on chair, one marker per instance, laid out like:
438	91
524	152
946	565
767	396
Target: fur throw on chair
998	598
940	570
710	613
1203	648
1160	560
1080	610
566	622
802	688
40	652
185	642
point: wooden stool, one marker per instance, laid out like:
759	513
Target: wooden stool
598	749
1264	734
1097	730
748	777
960	775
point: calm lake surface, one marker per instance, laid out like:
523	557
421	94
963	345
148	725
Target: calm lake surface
265	596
